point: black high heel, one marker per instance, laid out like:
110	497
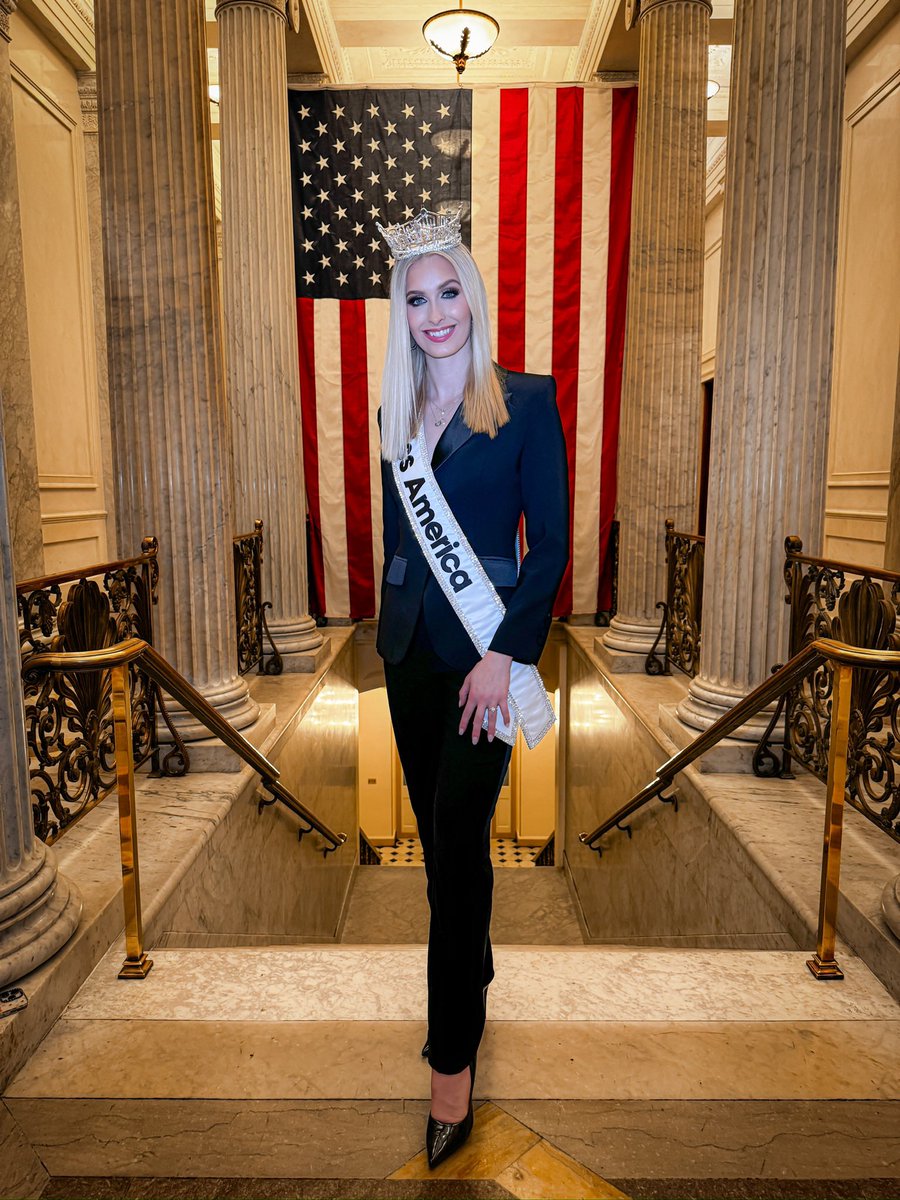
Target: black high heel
442	1138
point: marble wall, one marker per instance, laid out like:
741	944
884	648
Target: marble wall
682	879
254	882
70	453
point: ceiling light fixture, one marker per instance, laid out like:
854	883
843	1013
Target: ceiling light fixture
460	34
711	88
214	93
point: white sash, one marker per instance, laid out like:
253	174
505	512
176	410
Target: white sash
464	582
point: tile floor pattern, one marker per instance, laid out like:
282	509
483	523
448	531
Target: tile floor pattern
505	852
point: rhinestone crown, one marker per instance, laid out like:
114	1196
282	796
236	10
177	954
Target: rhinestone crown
424	234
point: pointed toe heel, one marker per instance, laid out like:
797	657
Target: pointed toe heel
442	1138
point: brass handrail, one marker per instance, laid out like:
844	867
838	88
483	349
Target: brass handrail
116	660
845	658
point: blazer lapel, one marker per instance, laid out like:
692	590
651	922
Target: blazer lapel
455	435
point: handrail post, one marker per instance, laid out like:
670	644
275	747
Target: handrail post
823	964
136	964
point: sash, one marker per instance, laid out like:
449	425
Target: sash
464	582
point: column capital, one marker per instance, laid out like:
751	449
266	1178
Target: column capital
275	6
644	7
87	94
7	8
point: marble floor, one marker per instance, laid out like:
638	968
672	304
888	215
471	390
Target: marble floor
530	908
505	852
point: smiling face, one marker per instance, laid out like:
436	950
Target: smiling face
436	309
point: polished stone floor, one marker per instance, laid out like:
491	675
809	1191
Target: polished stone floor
531	908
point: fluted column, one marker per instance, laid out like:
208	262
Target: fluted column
774	343
166	377
15	360
260	312
659	440
87	94
39	909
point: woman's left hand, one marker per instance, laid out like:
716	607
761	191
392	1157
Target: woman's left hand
485	687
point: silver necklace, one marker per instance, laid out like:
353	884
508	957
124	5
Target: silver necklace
442	419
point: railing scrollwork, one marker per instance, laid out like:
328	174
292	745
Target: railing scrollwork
251	626
679	629
858	606
69	718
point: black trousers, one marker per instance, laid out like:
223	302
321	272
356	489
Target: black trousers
453	787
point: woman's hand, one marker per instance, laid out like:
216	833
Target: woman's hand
485	687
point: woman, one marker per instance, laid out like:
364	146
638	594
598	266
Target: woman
467	448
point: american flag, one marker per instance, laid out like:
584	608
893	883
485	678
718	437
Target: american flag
543	175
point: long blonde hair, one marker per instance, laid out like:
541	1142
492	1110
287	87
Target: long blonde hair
405	363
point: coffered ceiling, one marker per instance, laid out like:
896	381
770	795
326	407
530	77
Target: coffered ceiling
360	42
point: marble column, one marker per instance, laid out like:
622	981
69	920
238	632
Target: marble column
87	92
661	409
774	344
39	909
260	312
166	376
15	359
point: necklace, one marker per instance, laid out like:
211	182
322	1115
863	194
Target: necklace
438	421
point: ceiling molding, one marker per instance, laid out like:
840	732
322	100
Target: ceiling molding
586	55
68	25
332	54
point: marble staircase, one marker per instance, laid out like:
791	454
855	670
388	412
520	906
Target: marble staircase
304	1061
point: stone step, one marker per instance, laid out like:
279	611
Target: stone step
304	1060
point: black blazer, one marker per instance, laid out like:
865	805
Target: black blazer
488	483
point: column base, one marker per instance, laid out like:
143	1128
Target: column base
209	754
631	635
300	644
730	757
38	918
232	700
706	702
619	662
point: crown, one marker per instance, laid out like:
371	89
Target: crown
426	233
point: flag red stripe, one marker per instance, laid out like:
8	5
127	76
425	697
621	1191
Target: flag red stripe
567	288
307	355
624	119
512	207
357	492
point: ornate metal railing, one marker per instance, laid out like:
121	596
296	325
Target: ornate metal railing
853	670
682	609
859	606
251	626
69	719
115	665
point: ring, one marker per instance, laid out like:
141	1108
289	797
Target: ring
492	708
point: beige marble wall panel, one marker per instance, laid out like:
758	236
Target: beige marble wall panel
59	295
867	328
15	364
255	878
681	878
712	265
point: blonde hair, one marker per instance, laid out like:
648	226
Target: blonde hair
405	363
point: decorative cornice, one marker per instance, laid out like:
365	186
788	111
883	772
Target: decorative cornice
7	8
87	94
423	59
304	80
332	54
618	78
85	11
597	27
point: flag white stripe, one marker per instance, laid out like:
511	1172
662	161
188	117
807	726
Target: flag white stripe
330	427
592	348
539	250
